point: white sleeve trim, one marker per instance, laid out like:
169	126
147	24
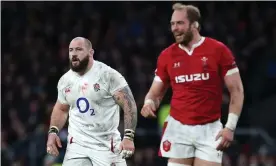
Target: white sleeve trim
120	87
62	101
157	78
232	71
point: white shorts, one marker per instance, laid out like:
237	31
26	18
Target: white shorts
188	141
77	155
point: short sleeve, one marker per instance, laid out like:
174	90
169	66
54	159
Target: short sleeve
227	62
161	73
116	81
61	91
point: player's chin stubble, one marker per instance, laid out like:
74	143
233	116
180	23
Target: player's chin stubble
82	66
187	38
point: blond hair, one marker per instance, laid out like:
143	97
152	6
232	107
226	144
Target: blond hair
193	13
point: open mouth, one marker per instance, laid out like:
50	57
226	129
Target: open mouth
75	61
178	35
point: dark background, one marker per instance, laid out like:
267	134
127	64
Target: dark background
129	36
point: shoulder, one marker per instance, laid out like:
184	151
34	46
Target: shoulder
222	53
219	49
106	72
111	78
100	66
65	79
210	42
167	52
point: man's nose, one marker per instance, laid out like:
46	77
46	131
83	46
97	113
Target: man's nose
74	56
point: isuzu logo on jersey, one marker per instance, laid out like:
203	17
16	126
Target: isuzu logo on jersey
192	77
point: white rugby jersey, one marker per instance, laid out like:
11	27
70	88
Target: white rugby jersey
93	115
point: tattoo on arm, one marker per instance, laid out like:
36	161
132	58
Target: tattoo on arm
125	99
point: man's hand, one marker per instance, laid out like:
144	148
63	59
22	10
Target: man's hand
153	98
227	138
127	148
148	110
52	143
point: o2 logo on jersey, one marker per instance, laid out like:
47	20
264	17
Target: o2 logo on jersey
192	77
86	107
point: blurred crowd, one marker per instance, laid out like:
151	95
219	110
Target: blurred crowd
128	36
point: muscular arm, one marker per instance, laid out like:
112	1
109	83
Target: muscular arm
234	85
235	88
156	93
59	115
125	99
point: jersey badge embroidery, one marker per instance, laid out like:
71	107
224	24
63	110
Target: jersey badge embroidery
67	90
204	62
96	87
176	65
166	145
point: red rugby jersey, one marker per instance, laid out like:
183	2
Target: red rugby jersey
196	78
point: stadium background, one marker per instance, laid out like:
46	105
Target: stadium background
128	36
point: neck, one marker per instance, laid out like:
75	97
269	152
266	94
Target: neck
196	39
90	64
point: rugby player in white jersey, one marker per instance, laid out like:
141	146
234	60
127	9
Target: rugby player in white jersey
91	93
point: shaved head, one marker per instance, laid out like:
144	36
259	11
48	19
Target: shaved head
87	42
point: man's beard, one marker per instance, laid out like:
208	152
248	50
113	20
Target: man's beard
82	66
188	37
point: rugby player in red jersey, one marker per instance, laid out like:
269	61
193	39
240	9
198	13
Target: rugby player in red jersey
196	68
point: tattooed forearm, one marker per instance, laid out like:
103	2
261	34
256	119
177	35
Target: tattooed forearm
125	99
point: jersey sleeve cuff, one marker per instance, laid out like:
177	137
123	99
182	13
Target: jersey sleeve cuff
119	88
62	101
157	79
232	71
